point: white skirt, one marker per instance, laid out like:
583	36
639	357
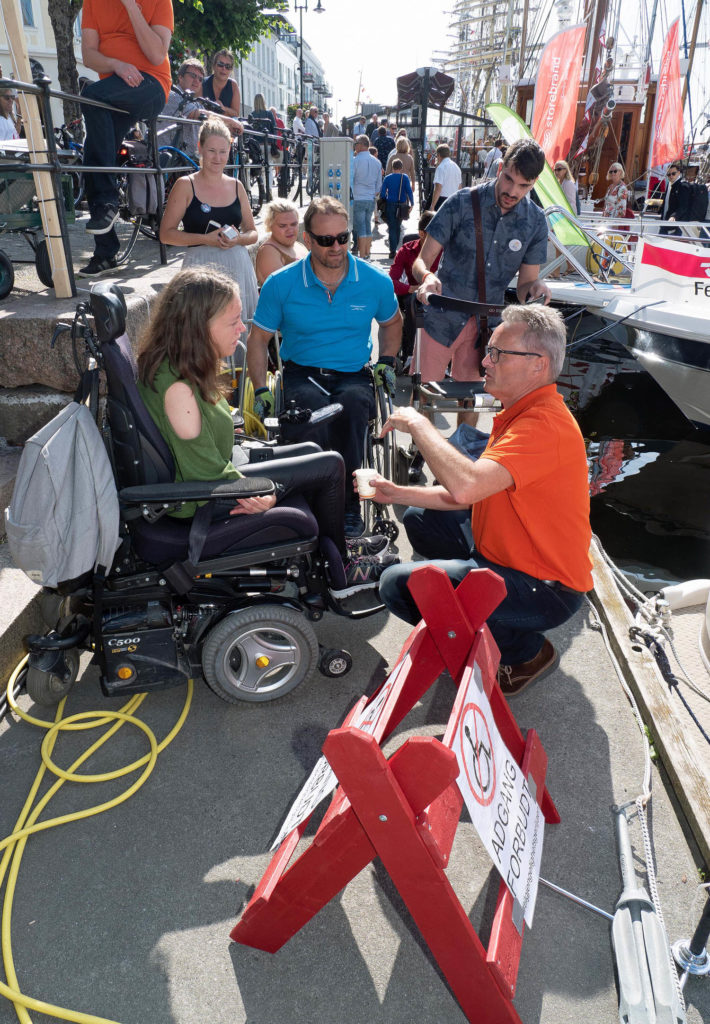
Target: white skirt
235	263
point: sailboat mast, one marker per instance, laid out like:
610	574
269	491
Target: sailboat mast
691	55
594	47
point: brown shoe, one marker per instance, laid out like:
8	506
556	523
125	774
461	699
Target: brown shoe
513	679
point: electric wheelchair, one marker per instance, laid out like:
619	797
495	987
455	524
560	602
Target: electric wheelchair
233	603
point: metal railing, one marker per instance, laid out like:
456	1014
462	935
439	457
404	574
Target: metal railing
617	239
253	164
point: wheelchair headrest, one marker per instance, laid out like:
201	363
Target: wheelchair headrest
108	307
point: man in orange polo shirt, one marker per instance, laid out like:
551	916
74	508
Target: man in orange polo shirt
528	492
126	42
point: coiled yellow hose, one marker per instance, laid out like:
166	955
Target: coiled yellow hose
27	824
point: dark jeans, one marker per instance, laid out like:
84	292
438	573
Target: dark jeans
392	226
104	134
346	433
437	535
529	608
318	476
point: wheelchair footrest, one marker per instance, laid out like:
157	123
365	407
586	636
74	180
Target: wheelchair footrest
455	390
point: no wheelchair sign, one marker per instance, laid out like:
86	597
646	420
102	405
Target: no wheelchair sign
503	809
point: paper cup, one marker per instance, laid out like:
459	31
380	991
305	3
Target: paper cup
363	478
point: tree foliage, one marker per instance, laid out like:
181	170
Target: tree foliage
222	24
201	25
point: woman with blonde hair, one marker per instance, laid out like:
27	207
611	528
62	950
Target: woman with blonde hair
567	183
402	152
281	247
217	222
262	112
616	199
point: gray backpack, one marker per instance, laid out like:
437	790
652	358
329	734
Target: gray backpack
63	519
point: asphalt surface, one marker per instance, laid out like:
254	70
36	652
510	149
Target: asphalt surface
127	915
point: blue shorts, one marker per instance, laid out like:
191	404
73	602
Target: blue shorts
363	210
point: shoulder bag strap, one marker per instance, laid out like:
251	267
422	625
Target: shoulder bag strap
480	266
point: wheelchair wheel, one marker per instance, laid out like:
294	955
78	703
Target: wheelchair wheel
48	688
379	455
259	653
335	663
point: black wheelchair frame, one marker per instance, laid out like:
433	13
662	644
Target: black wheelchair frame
239	614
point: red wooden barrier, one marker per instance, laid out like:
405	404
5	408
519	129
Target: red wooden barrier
405	810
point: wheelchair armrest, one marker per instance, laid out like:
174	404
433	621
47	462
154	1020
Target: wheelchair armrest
196	490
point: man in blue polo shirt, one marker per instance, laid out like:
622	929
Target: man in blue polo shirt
324	306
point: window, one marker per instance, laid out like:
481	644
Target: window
27	16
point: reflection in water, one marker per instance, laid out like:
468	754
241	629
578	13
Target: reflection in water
649	467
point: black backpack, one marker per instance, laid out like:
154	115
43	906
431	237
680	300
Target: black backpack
697	200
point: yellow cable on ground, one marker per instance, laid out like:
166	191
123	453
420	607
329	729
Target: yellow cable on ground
252	423
27	823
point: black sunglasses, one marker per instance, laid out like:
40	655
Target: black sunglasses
326	241
221	64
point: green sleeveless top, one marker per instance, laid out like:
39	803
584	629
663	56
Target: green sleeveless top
206	457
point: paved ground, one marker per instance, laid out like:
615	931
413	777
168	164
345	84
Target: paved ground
127	915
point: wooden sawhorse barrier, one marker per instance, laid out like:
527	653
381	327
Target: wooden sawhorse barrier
405	809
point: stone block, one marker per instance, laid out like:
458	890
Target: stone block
23	411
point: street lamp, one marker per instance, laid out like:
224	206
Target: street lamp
301	7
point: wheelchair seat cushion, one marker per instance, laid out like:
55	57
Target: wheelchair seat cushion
168	538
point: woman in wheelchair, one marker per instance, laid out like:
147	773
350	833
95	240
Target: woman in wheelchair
196	324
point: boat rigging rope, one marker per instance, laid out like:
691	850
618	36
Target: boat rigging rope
664	665
615	323
13	846
644	797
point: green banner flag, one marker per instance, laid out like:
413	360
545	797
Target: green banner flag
548	189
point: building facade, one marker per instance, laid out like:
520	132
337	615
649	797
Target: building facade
273	69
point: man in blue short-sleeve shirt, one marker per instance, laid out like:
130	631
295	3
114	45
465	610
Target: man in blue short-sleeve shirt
514	233
324	306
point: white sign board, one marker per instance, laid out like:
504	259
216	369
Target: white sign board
674	271
504	812
322	780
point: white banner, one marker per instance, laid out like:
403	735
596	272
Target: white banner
322	781
503	810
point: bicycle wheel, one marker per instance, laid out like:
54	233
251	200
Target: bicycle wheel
128	230
43	265
7	275
256	190
77	185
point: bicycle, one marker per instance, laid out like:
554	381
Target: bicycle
65	136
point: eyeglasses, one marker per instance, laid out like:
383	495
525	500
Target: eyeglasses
195	74
326	241
673	174
494	353
614	170
221	64
559	167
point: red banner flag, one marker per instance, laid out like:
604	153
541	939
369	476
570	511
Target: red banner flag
668	121
556	92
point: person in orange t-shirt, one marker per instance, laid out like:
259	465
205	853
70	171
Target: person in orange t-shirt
126	42
528	491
